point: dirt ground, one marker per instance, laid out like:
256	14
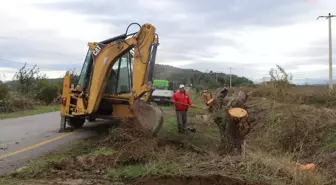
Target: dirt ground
197	180
167	161
169	180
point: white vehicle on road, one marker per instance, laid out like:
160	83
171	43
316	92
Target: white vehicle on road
163	92
162	96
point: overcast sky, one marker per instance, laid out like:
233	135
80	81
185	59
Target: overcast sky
251	36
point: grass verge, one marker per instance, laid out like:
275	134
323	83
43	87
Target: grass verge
125	155
279	169
35	111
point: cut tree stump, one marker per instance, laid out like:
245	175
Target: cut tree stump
232	127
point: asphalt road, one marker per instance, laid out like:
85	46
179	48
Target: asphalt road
26	138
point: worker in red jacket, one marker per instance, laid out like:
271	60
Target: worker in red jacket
181	99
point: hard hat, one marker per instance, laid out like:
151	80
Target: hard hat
181	86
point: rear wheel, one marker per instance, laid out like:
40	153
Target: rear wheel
76	123
91	118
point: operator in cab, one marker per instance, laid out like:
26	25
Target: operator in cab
182	102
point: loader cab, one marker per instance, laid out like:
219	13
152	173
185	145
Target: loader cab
118	87
119	80
87	68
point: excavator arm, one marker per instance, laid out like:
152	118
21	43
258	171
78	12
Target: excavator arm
106	54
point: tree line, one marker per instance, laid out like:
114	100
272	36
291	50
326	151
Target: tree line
29	87
197	78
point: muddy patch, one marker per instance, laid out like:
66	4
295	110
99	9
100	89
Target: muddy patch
131	147
195	180
130	151
139	151
166	180
179	146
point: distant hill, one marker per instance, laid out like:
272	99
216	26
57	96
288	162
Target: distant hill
195	77
312	81
182	76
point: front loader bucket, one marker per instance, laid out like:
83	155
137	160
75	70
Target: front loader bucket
148	116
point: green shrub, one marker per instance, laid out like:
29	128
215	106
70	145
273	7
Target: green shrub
3	91
27	79
17	102
47	92
5	106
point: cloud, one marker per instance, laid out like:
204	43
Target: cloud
249	36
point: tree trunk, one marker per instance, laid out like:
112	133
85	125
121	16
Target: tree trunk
232	130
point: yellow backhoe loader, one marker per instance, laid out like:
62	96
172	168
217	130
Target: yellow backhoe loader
115	82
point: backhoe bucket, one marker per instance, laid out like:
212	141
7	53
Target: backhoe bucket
148	116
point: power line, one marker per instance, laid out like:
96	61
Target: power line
230	76
24	63
10	61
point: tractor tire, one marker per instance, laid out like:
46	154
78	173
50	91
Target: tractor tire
91	118
76	123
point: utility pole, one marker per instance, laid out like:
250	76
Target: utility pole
230	77
329	16
264	79
216	78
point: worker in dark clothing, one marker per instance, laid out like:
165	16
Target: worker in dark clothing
182	103
221	96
